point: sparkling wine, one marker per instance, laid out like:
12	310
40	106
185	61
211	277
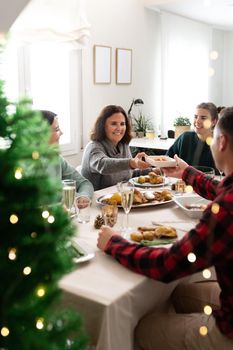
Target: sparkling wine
127	200
68	196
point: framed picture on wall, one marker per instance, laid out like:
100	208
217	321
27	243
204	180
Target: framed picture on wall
123	66
102	56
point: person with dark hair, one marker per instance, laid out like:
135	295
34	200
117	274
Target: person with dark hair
194	146
64	171
107	158
210	243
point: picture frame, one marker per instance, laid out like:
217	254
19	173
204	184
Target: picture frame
102	57
123	66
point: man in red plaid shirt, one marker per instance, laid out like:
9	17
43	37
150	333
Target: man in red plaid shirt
211	242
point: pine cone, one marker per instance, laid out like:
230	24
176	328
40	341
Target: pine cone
99	221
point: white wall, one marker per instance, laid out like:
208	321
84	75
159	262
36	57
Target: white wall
121	24
228	69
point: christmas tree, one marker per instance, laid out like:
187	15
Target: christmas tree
35	239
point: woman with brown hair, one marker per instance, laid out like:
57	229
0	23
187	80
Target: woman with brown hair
107	158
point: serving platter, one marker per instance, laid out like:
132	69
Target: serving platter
134	180
161	161
100	201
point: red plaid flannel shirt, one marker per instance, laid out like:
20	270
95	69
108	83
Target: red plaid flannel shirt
211	241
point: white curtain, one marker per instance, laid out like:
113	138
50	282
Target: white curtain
58	21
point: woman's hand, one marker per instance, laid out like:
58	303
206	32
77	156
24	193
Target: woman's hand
177	171
105	233
139	161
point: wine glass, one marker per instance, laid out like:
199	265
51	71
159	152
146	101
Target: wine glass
221	174
68	195
127	192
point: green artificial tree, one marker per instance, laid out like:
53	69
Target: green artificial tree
35	238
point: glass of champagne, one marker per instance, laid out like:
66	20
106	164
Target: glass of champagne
127	192
68	195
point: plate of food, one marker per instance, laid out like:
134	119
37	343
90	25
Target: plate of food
82	252
160	161
193	206
155	235
150	180
141	198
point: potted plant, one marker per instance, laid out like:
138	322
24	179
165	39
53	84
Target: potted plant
141	124
181	124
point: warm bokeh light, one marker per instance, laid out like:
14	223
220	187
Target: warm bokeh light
191	257
207	124
215	208
189	189
206	273
209	140
33	234
207	309
2	39
35	155
211	71
45	214
14	219
19	173
12	254
213	55
203	330
27	270
40	323
5	331
51	219
40	292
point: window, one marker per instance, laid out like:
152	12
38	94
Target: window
51	75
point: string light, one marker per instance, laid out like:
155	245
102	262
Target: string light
208	310
213	55
27	270
209	140
14	219
19	173
211	71
203	330
206	273
40	292
189	189
45	214
12	253
40	323
51	219
35	155
207	124
191	257
33	234
5	331
215	208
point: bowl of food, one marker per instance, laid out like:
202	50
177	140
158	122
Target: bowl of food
160	161
193	206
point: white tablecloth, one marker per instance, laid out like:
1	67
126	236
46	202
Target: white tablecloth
110	298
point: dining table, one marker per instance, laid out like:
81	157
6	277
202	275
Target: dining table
110	298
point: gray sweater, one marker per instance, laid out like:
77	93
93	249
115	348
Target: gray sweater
104	164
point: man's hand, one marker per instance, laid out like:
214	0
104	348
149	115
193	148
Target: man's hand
105	234
177	171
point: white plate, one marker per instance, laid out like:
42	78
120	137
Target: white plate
134	181
83	249
161	161
191	200
180	234
148	204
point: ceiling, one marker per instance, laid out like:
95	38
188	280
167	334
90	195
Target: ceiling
218	13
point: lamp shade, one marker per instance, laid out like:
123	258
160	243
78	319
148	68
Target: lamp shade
138	101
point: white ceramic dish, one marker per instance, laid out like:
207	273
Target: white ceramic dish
148	204
184	201
84	252
161	161
134	181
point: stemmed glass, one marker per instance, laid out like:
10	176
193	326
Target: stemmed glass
221	174
127	191
68	195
